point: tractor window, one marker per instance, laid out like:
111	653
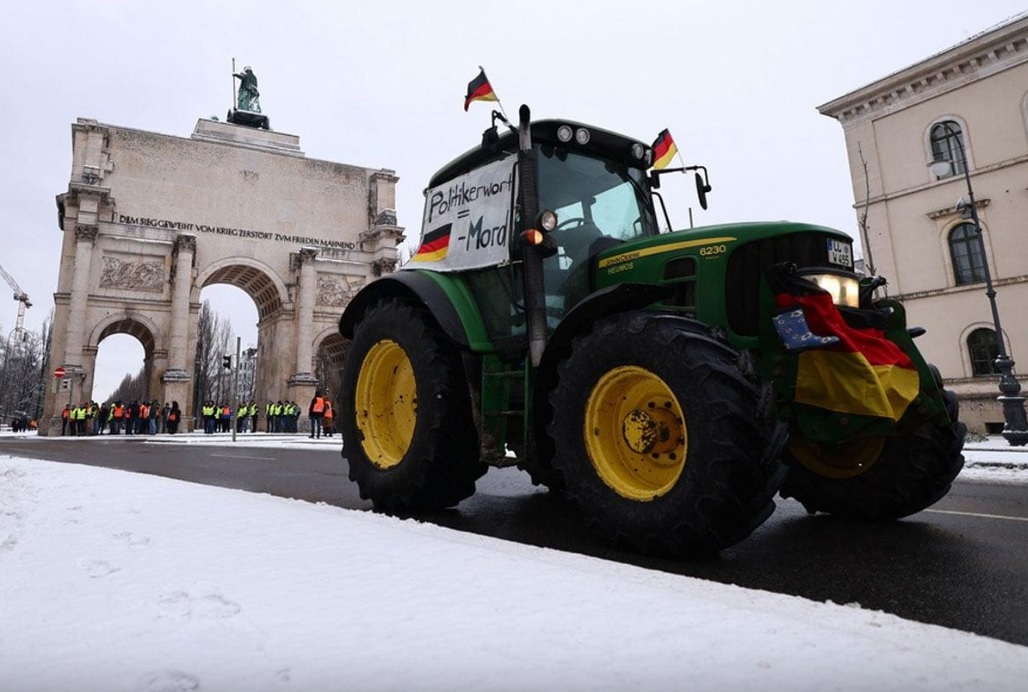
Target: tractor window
599	203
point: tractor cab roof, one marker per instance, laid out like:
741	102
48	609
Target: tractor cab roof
584	138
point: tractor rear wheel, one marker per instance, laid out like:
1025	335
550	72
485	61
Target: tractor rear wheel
661	439
879	479
405	413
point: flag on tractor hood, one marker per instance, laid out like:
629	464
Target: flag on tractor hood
664	149
434	245
863	373
479	89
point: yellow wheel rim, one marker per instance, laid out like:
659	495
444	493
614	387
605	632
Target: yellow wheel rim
837	462
635	433
387	404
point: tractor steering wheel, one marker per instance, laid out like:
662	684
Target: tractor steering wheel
566	223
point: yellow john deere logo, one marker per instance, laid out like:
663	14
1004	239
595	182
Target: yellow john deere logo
660	249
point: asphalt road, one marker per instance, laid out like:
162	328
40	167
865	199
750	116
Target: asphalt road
961	564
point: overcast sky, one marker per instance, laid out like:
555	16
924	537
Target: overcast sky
381	85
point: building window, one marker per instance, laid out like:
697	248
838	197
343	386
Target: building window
965	248
947	140
981	346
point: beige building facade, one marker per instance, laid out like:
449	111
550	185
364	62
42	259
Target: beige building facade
149	220
969	106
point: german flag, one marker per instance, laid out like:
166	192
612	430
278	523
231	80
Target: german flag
479	89
862	374
664	149
434	245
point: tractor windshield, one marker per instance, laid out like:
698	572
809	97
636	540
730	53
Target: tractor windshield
599	203
605	196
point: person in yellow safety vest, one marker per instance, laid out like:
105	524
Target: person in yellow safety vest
80	419
292	416
269	417
253	416
277	411
208	411
242	415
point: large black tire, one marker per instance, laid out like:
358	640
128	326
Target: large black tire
661	439
405	413
911	472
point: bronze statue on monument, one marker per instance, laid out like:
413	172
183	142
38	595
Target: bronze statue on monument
247	109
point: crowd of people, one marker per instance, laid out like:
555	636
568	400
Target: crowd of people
118	418
151	418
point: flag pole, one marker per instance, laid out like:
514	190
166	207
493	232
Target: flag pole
498	101
678	155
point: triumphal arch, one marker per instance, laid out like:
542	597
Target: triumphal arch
150	219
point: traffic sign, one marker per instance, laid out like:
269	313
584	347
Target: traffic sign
59	372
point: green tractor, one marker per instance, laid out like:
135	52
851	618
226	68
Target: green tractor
670	384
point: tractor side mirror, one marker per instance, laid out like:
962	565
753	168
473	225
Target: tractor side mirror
702	188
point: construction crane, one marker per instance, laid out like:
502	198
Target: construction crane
21	297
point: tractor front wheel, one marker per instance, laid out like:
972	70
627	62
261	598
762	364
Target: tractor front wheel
405	413
661	439
878	479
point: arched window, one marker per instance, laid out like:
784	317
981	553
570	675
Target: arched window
981	346
947	140
965	249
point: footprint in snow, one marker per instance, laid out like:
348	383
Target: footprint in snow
168	681
131	540
98	568
183	606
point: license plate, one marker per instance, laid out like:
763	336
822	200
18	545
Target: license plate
840	254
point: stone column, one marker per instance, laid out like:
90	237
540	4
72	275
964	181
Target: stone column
302	384
176	378
85	238
185	249
306	299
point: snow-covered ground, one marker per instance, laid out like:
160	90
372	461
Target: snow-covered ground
116	581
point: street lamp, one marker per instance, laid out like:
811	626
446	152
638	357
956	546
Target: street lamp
1015	428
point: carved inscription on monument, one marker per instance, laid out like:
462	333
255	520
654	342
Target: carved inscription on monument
134	274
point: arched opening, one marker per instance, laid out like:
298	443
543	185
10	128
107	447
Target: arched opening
121	365
239	299
328	364
125	345
982	349
124	380
227	314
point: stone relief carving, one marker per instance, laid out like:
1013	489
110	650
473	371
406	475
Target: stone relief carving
383	266
336	291
140	275
86	233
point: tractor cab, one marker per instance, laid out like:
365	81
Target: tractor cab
594	181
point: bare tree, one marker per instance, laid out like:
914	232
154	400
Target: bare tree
131	388
24	372
862	214
212	343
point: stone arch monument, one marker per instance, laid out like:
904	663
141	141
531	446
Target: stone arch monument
149	220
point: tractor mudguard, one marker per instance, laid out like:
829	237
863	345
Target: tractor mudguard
447	298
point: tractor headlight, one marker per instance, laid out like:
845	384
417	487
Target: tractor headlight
547	220
844	290
564	133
